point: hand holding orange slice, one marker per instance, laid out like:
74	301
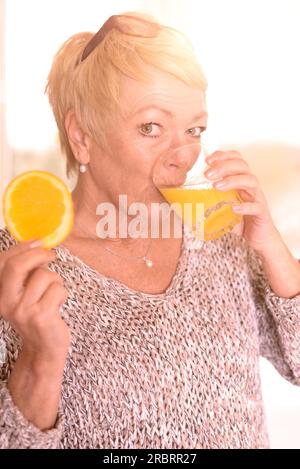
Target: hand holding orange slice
38	206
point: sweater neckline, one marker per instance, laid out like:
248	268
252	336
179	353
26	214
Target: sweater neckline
122	288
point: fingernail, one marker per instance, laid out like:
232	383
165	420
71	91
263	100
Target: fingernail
212	173
220	185
237	208
36	244
209	159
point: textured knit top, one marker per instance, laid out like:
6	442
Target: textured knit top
173	370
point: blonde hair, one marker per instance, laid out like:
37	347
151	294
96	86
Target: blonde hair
91	88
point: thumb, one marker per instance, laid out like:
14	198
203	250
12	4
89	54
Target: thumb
238	229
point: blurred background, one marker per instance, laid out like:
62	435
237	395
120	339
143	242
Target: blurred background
248	50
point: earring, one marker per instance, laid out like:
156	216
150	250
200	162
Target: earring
82	168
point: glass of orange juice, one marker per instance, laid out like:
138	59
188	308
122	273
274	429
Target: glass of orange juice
179	176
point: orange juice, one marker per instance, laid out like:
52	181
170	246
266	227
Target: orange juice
219	218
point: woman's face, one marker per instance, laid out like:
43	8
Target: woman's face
152	120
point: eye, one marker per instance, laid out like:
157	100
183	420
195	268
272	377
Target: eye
196	131
150	129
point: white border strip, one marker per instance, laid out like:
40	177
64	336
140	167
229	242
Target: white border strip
6	161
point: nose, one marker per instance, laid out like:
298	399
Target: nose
183	158
172	167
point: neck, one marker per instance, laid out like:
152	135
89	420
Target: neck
87	197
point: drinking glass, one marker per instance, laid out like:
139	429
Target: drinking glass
179	176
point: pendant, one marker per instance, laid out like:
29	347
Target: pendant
148	262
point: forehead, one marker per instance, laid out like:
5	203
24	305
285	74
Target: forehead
165	90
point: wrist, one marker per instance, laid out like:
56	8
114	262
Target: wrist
273	243
35	387
42	364
281	267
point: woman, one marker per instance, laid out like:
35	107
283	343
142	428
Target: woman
98	349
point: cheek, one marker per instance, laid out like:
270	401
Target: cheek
140	153
135	153
133	160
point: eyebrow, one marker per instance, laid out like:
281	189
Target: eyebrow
169	113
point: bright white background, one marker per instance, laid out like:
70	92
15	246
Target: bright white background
250	54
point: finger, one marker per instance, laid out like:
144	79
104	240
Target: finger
37	284
243	181
222	155
17	268
53	298
249	208
17	249
220	169
247	195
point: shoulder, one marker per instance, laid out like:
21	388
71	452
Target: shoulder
229	245
233	252
230	252
6	240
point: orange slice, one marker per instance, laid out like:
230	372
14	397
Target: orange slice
38	205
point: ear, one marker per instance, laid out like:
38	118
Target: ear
78	140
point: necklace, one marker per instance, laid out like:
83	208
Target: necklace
148	262
144	258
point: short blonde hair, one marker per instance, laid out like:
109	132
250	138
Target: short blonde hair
91	88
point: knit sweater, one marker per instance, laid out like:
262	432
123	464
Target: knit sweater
173	370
